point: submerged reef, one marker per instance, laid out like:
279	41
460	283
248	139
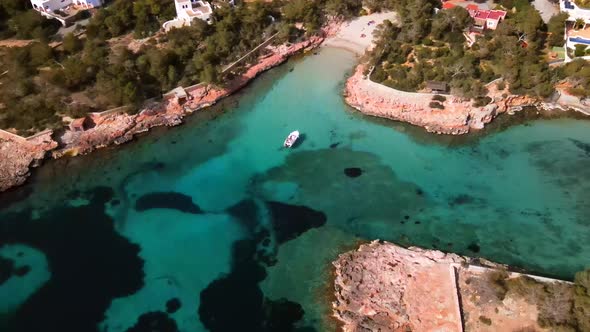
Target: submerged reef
249	309
167	200
90	265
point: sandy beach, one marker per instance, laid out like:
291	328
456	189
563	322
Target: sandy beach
357	35
379	100
458	117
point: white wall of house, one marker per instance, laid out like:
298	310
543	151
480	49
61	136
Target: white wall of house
53	5
181	9
571	42
90	3
186	11
574	11
50	5
492	24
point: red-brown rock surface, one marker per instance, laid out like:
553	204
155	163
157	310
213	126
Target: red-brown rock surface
384	287
120	128
18	155
457	117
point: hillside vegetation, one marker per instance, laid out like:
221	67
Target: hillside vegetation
432	47
97	71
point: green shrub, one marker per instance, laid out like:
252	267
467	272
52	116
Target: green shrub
378	75
439	98
81	15
497	280
580	50
485	320
481	101
436	105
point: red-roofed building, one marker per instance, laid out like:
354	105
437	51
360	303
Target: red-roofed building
485	19
448	5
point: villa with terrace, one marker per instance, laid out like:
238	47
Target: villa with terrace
187	11
484	19
50	6
577	30
63	10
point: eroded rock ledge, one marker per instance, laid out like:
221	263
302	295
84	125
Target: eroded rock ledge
18	155
384	287
120	128
458	116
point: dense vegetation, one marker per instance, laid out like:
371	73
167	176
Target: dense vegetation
560	307
578	75
555	29
97	72
432	47
16	19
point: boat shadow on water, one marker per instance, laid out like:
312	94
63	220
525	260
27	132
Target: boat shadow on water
299	141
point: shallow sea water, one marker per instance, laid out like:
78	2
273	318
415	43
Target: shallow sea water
214	226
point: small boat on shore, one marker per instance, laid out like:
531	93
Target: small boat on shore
291	139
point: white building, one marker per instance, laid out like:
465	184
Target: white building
580	35
49	6
187	11
575	12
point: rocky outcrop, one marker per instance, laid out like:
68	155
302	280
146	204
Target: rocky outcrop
387	288
120	128
479	117
18	155
116	128
459	116
383	287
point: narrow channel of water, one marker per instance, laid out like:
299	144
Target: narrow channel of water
212	225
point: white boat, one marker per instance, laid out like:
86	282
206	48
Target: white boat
291	139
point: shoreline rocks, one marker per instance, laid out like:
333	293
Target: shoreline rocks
18	155
458	116
388	288
378	288
121	128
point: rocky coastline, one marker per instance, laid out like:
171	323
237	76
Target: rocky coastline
458	117
18	155
385	287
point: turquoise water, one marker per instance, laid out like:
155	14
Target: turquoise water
253	249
